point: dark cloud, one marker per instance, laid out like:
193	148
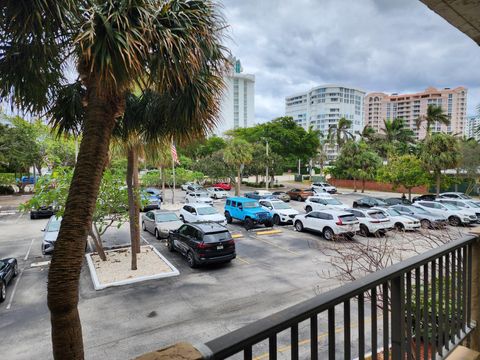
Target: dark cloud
376	45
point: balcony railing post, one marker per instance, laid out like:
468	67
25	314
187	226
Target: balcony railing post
398	318
475	301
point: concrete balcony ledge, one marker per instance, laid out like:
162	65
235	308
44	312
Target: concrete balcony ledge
463	353
180	351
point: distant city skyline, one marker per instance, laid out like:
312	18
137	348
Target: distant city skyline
375	45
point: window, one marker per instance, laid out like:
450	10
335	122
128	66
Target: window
234	203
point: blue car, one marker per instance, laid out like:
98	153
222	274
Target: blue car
154	192
248	211
152	202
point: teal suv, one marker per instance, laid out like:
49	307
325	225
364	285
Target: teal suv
248	211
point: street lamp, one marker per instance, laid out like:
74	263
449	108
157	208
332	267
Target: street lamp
266	170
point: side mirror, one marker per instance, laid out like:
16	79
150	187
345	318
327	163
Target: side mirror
194	212
42	230
270	208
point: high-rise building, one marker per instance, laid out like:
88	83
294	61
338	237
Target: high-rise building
472	127
323	106
237	108
380	106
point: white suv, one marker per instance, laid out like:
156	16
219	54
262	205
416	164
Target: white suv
456	216
323	202
372	221
463	204
400	222
330	223
281	211
201	213
217	193
198	197
324	187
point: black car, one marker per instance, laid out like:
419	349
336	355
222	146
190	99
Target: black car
397	201
42	212
425	197
8	270
369	202
202	243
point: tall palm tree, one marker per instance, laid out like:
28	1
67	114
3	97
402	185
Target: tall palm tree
396	131
238	153
339	134
367	134
434	114
117	46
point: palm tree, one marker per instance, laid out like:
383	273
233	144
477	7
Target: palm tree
340	133
117	46
434	115
396	131
367	134
238	153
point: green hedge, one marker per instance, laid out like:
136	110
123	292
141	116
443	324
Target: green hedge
7	179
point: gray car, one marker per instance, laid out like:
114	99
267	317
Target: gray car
159	223
427	219
51	234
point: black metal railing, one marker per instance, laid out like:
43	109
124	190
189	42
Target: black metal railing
418	309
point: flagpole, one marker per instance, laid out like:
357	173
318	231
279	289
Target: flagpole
173	173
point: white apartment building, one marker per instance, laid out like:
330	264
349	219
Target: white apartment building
471	125
237	108
323	106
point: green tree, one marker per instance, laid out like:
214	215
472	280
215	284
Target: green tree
434	115
215	167
116	45
339	134
439	152
406	171
396	131
238	153
469	161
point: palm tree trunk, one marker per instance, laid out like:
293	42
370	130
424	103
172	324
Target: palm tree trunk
354	184
439	175
132	206
67	260
239	180
363	185
409	194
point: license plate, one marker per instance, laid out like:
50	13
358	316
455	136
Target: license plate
219	247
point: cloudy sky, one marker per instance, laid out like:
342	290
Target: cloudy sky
376	45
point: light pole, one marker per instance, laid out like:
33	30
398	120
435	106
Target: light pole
266	171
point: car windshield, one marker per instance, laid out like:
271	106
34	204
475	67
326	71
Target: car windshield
332	202
280	205
349	217
377	214
206	210
473	204
54	225
463	196
379	201
393	212
451	207
418	210
325	184
250	204
217	237
163	217
202	194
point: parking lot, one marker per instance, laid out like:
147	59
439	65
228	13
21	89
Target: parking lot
273	270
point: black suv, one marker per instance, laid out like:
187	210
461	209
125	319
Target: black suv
369	202
202	243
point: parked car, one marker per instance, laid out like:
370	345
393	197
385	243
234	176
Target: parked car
397	201
44	211
329	222
152	202
186	185
155	192
299	194
455	215
324	187
369	202
372	221
322	202
248	211
281	195
425	197
159	222
198	197
400	222
202	243
50	234
201	213
217	193
463	204
281	212
426	218
454	195
223	185
8	270
194	188
259	194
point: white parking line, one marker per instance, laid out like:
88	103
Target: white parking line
18	218
141	236
28	251
15	288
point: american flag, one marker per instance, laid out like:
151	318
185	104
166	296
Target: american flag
174	153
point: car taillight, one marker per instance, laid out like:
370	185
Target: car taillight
339	222
202	245
230	242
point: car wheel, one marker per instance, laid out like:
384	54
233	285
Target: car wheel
364	230
298	226
268	223
454	221
170	246
399	227
32	217
355	205
228	217
191	260
182	218
380	233
3	291
349	236
15	270
308	209
299	198
248	224
276	219
426	224
157	234
144	228
328	233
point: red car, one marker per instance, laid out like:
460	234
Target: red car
222	185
